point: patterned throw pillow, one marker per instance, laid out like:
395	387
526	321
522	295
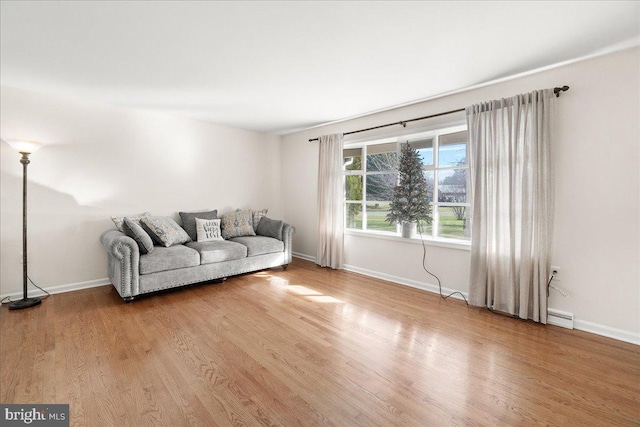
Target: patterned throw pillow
237	224
208	230
257	216
133	229
119	220
164	230
189	220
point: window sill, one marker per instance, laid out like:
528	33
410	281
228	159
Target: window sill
443	243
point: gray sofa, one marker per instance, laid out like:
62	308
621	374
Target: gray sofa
133	273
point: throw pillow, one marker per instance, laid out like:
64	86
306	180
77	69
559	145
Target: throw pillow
257	216
189	221
164	230
208	230
119	220
135	231
237	224
270	228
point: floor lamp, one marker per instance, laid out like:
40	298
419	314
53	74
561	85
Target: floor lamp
25	148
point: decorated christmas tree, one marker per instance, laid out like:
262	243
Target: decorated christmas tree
409	203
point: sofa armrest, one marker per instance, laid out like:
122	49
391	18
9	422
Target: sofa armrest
124	262
287	237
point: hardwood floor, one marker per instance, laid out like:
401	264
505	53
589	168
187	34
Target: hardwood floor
309	346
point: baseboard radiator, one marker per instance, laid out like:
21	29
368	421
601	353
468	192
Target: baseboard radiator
560	318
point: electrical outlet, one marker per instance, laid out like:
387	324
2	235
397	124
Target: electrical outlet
556	270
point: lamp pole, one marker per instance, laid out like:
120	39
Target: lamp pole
24	150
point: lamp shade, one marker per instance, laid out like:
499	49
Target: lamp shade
24	146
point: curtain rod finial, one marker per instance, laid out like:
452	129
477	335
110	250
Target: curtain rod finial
557	90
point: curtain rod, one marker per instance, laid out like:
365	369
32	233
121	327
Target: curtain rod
556	90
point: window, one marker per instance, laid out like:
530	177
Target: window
370	171
370	178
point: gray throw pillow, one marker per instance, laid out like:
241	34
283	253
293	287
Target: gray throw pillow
164	230
189	221
132	228
270	228
257	216
237	224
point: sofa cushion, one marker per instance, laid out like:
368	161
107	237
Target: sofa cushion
258	245
218	251
161	259
189	221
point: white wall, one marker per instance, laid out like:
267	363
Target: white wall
100	161
597	227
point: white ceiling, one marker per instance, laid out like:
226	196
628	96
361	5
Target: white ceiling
283	66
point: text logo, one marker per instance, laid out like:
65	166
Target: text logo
54	415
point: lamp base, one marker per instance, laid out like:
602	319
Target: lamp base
24	303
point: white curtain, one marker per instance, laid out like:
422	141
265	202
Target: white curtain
330	202
512	186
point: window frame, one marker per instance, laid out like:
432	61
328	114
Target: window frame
434	234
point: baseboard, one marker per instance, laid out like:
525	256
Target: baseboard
407	282
607	331
35	292
567	320
304	256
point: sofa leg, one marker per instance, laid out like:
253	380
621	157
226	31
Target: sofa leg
128	299
284	266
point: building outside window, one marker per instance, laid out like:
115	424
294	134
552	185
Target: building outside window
370	170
